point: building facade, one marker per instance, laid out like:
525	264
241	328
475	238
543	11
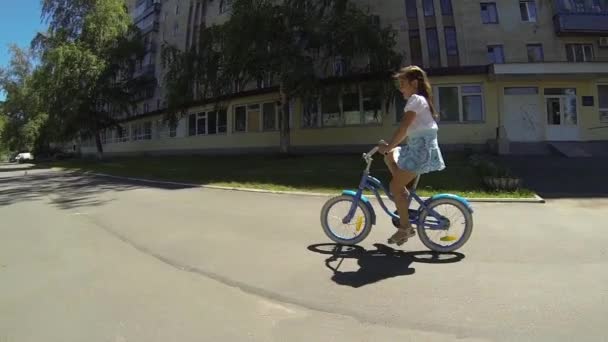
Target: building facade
521	72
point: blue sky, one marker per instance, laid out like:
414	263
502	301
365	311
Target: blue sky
19	22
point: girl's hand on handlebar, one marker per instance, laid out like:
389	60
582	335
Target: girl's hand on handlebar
383	148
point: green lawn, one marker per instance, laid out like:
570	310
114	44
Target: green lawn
327	174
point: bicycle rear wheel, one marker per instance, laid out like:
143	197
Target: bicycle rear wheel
458	222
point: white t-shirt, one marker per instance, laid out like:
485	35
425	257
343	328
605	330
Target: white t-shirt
424	119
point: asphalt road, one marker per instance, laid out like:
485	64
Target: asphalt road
94	259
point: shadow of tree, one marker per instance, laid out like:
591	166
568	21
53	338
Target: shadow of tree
65	190
374	265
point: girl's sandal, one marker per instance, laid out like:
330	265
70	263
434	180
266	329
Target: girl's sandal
401	236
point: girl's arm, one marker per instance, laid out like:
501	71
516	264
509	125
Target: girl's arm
401	132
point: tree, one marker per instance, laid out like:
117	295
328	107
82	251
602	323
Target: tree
22	117
87	65
293	41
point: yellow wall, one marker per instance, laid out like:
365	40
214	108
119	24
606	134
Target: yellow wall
588	117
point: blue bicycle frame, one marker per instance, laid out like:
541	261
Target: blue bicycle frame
371	183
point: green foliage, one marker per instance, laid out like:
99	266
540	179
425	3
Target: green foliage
87	65
294	41
21	115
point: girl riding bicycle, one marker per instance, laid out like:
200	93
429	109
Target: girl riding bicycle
421	154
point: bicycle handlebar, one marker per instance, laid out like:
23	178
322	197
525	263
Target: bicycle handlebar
375	149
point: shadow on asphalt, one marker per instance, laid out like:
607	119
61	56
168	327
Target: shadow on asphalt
379	264
65	190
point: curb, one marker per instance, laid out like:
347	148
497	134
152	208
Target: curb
535	199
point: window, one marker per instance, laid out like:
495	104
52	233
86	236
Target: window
602	95
146	107
225	5
240	119
352	105
372	105
310	113
489	14
269	112
330	109
410	9
496	54
451	42
428	8
399	106
415	47
256	117
527	8
461	103
142	130
206	123
579	52
433	43
446	7
535	53
175	29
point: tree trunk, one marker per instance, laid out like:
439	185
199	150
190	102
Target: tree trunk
99	146
284	122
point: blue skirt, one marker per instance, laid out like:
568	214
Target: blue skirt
421	153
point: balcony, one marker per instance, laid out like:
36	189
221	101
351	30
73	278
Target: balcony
581	17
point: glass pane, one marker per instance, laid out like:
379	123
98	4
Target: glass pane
415	47
270	116
311	114
192	124
201	125
410	8
428	7
492	13
604	115
433	42
471	89
472	108
222	122
578	53
331	111
485	18
253	121
521	91
448	104
570	53
240	119
553	111
446	7
560	91
588	51
523	10
602	94
535	53
532	10
570	110
451	43
212	124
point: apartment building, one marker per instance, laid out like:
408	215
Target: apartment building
527	72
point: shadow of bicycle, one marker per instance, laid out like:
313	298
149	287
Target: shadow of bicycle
374	265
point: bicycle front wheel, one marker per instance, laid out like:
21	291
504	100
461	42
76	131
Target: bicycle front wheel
350	233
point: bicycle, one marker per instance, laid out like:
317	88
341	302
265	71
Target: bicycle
426	219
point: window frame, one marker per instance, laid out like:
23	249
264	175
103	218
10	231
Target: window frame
502	48
260	118
204	114
527	3
341	122
600	109
459	86
542	52
491	4
572	46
